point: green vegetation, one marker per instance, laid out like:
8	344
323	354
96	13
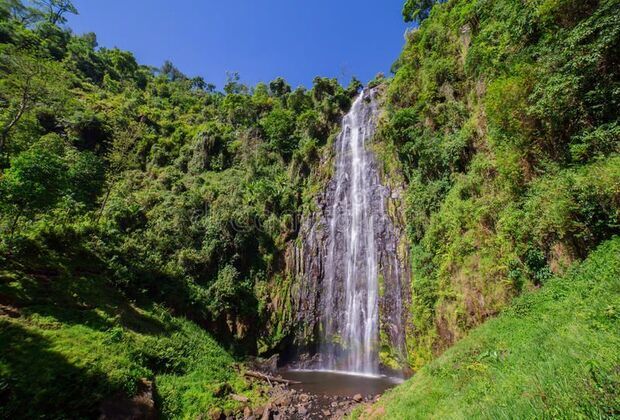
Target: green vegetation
136	195
418	10
551	354
69	342
145	215
184	195
505	117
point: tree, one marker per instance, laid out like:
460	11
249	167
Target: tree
26	83
171	72
224	293
56	39
233	84
323	87
35	180
279	87
55	10
14	9
299	100
85	176
418	10
279	126
120	158
310	124
83	59
199	83
354	87
121	64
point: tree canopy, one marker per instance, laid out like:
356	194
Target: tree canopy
418	10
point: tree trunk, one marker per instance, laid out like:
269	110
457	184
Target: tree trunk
20	112
103	204
14	225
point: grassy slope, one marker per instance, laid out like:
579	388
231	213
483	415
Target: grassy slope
68	342
553	353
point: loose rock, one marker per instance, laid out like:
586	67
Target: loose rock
240	398
258	411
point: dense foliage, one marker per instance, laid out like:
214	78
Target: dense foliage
506	118
142	214
183	194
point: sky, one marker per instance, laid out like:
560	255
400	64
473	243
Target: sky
260	39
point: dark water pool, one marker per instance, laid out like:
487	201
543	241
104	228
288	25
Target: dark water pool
338	383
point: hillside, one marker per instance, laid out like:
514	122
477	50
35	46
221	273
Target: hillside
72	345
551	354
143	217
183	194
506	120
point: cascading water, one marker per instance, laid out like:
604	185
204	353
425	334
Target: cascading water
361	245
352	233
348	266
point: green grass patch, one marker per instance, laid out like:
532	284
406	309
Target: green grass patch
552	354
69	342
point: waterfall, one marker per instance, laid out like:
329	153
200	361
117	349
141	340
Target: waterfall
349	266
360	234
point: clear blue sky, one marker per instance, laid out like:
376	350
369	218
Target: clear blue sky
260	39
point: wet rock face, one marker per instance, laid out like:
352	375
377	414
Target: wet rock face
351	277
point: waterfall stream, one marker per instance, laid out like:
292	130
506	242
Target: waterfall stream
358	225
350	264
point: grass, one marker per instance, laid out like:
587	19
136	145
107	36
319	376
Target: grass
68	342
554	353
